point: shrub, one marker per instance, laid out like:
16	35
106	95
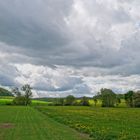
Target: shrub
137	99
108	98
84	101
69	100
129	98
20	100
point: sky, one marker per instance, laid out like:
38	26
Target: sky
73	47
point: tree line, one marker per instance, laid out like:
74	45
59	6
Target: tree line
106	96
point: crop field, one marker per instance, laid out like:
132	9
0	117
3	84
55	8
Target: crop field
26	123
99	123
5	101
8	101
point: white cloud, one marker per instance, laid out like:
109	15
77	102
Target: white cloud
70	46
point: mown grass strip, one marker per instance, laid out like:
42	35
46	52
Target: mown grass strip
29	124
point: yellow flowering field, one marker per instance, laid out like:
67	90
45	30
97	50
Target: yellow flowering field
99	123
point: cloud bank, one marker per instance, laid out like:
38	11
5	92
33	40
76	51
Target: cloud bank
70	47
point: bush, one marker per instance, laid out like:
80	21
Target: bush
84	101
137	99
58	102
108	98
69	100
20	100
76	103
129	98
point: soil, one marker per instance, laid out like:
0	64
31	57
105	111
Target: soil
6	125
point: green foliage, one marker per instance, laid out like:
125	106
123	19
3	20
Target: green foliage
19	100
27	93
99	123
84	101
118	100
69	100
22	99
129	98
108	98
4	92
16	91
137	99
95	98
58	102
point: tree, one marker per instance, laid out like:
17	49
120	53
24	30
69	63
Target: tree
129	98
95	99
16	91
22	96
108	98
19	100
58	102
84	101
28	93
69	100
61	100
118	100
137	99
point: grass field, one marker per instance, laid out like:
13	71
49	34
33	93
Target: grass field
42	122
99	123
26	123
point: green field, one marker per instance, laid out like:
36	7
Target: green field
8	101
99	123
42	122
26	123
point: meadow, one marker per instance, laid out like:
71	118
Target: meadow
99	123
40	121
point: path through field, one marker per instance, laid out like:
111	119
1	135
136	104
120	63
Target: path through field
26	123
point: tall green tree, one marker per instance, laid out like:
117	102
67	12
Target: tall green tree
108	98
118	100
27	93
129	98
95	99
137	99
84	101
69	100
23	95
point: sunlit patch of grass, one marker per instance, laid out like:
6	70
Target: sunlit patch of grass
38	102
6	101
9	100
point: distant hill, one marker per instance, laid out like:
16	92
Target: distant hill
5	92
